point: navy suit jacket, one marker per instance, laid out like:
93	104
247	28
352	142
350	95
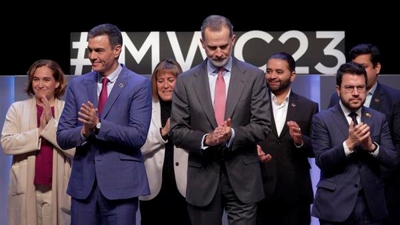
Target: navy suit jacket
341	175
387	101
113	157
192	117
287	175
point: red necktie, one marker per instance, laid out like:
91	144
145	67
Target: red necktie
103	96
220	97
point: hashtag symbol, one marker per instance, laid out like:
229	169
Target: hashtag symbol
80	61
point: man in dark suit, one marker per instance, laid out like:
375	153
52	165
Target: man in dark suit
108	172
224	170
387	101
286	171
350	153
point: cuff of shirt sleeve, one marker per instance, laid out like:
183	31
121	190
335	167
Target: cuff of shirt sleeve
299	146
376	150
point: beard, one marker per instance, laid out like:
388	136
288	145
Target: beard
219	63
352	105
283	85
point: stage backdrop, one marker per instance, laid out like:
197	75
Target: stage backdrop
317	52
316	87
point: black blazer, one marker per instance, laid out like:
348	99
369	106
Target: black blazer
287	176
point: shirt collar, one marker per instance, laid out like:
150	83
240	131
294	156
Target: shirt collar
274	98
346	111
372	90
212	70
113	76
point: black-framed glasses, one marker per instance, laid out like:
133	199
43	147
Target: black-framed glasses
350	88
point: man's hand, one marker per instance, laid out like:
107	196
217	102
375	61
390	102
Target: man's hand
88	116
262	155
220	135
359	135
295	132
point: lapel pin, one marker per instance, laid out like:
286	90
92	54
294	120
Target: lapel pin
293	105
121	85
377	100
367	115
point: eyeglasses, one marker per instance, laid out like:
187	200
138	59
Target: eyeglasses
350	89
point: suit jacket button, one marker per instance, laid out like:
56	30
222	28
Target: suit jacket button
93	161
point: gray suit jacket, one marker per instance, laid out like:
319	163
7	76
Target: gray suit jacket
192	117
341	175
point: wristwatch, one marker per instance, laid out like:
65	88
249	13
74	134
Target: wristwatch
97	128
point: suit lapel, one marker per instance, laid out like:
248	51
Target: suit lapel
366	116
273	124
90	85
291	112
118	87
236	85
339	119
271	111
201	87
376	99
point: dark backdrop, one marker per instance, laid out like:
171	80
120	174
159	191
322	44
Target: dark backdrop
30	32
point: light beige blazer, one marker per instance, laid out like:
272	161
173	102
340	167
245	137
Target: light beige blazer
20	138
154	151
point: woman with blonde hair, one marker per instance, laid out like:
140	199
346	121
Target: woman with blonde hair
166	165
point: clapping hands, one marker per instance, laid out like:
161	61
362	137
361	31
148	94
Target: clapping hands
46	114
220	135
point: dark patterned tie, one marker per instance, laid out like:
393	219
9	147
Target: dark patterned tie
353	116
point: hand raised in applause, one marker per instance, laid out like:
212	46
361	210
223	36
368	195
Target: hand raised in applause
220	135
360	135
88	116
46	114
165	130
295	132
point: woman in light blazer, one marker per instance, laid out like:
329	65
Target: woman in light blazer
40	170
166	165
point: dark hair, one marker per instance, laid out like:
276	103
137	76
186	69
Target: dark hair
112	31
215	23
363	49
350	68
58	75
167	65
286	57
